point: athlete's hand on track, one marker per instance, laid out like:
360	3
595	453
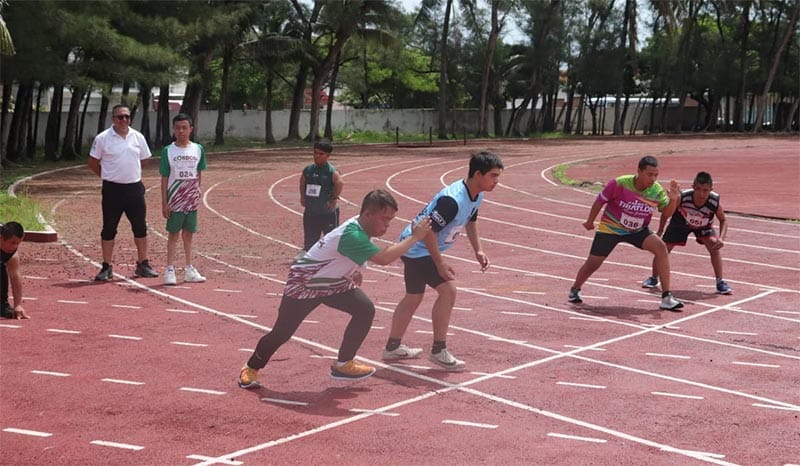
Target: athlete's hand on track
588	225
483	259
19	313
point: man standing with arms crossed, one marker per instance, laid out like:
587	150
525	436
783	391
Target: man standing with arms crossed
116	157
454	208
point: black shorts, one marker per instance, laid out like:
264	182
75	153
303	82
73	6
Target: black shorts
123	198
677	235
420	272
604	243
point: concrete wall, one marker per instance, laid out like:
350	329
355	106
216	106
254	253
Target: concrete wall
250	124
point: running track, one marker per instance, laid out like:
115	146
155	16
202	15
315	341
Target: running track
136	373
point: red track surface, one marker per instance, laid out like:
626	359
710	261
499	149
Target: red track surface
613	381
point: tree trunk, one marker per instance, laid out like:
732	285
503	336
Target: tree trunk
163	135
774	68
443	72
483	110
145	91
3	115
738	114
15	145
791	115
269	138
298	99
53	131
82	125
102	116
35	137
68	145
568	105
331	91
219	130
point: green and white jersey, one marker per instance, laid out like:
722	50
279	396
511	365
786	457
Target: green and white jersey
329	266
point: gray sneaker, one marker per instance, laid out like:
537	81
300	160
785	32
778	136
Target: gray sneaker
446	360
144	270
104	275
670	303
650	282
401	352
575	295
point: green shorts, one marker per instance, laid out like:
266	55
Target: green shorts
178	221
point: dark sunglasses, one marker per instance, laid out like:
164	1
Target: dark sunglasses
122	117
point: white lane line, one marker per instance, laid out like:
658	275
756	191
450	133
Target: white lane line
512	313
307	321
678	395
67	301
246	316
595	297
754	364
485	272
10	326
730	332
762	405
214	460
183	343
469	424
372	411
410	366
123	382
34	277
126	306
430	332
581	385
285	402
498	376
182	311
456	308
247	350
34	433
592	319
662	355
508	340
125	446
387	303
323	356
529	292
249	256
61	330
224	290
584	348
125	337
201	390
375	327
575	437
695	453
788	312
55	374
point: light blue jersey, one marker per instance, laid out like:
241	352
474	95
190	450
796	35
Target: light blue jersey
449	211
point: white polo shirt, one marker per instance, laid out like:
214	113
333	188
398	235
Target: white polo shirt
120	157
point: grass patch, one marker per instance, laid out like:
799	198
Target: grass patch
560	174
22	210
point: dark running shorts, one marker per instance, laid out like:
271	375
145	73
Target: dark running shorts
678	235
420	272
604	243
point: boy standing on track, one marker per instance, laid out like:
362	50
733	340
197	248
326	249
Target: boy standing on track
320	187
329	273
11	235
453	208
695	214
630	201
181	165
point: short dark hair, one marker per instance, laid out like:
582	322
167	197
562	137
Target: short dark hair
118	106
182	117
324	145
484	161
704	178
11	229
648	161
378	199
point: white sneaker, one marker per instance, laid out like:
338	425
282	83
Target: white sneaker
446	360
401	352
191	275
669	303
169	276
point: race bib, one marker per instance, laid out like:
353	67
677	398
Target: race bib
186	174
313	190
696	219
631	223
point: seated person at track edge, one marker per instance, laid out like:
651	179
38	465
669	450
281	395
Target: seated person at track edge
695	214
330	273
11	235
630	201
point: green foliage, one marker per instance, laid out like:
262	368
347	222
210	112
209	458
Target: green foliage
21	209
